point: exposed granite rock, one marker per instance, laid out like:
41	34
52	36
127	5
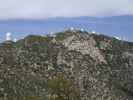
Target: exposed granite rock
84	46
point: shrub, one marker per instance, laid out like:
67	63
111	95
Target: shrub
62	88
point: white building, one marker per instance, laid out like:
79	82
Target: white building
94	32
118	38
15	40
8	36
72	28
82	30
52	34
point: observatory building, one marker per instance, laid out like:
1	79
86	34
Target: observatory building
82	30
72	28
15	40
94	32
8	36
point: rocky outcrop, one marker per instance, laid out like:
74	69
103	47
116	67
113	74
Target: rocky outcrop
85	47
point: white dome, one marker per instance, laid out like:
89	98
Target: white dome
71	28
15	40
8	36
82	29
93	32
117	37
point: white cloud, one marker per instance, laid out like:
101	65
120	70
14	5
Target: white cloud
36	9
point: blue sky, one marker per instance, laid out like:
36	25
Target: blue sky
23	17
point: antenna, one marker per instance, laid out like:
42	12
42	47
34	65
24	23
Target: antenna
8	36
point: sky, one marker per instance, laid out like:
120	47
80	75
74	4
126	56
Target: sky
24	17
40	9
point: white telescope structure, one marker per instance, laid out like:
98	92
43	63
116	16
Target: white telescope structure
72	28
15	40
82	30
8	36
94	32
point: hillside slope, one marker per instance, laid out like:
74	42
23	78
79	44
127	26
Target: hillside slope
102	66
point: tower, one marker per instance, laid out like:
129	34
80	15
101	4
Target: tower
51	34
8	36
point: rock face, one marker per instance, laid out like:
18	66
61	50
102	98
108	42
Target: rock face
102	66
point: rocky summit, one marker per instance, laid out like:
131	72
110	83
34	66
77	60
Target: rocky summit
101	67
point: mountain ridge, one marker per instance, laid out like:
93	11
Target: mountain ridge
113	26
101	66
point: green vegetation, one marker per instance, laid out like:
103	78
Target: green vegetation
59	87
18	45
62	88
37	68
115	41
98	45
60	36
